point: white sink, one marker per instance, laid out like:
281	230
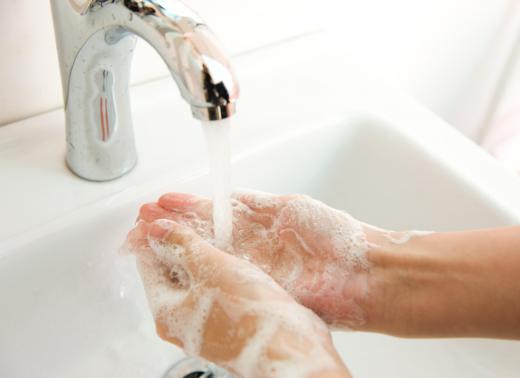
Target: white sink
71	307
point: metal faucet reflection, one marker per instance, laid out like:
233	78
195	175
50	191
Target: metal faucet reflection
95	40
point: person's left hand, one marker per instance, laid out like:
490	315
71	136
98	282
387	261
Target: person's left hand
227	310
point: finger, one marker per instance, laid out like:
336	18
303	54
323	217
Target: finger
152	211
182	202
166	286
157	272
258	201
152	270
137	239
138	243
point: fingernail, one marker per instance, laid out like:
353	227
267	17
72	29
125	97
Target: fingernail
178	196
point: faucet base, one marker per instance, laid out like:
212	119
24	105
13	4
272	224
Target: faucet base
99	178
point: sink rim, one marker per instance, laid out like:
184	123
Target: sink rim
365	97
160	184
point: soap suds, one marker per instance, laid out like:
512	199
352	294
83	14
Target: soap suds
183	305
310	249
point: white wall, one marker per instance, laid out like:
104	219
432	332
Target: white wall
432	49
500	134
29	73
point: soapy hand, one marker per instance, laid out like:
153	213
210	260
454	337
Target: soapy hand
226	309
313	251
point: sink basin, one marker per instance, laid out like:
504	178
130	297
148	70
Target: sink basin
72	307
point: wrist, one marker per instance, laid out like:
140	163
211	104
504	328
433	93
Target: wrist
434	285
404	280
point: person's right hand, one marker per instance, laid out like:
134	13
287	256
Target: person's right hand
315	252
227	310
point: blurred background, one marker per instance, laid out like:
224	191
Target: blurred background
458	58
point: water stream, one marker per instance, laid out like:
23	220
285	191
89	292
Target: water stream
217	139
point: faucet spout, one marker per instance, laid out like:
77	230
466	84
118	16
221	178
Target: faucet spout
96	39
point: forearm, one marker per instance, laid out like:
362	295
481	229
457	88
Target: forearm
463	284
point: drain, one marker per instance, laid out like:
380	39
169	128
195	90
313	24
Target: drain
191	367
199	374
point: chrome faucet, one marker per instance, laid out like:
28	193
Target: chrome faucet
95	40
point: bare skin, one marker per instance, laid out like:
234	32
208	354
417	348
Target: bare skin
433	285
453	284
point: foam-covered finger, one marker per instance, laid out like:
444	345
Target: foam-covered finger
175	244
151	269
159	266
258	201
137	239
167	290
182	202
152	211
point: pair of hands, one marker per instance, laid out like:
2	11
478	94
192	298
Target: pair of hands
249	308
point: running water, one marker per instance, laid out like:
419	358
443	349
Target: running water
217	139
